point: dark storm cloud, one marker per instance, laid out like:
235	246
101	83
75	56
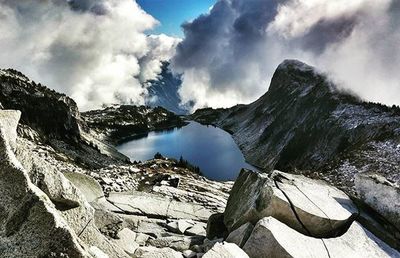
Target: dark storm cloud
98	7
229	54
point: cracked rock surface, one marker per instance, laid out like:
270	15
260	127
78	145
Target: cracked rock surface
284	215
272	238
311	207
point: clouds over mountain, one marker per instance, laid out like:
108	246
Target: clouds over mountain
229	55
95	51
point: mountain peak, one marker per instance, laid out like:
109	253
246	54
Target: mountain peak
294	78
294	64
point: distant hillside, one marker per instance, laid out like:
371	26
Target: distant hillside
116	124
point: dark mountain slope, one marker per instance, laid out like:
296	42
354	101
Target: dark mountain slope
51	118
304	122
52	114
116	124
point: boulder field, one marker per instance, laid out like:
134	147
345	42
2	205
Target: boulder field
160	210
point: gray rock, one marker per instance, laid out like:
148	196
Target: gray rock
189	254
179	243
216	227
179	226
311	207
141	239
30	224
67	199
88	186
9	121
382	195
156	206
197	230
153	252
272	238
97	253
225	250
141	224
126	240
208	244
239	236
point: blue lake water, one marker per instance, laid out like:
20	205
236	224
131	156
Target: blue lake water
208	147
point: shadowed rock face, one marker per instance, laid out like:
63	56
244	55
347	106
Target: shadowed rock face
304	122
53	118
52	114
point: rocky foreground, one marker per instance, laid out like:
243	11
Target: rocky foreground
70	194
156	209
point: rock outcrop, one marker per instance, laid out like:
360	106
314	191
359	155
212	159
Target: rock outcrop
304	122
52	114
116	124
272	238
51	118
382	195
225	250
240	235
31	225
311	207
284	215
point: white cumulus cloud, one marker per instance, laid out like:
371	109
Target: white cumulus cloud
95	51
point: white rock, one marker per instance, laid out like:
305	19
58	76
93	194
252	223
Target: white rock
322	209
107	180
97	253
272	238
141	238
142	203
189	254
153	252
127	241
196	230
225	250
180	226
135	170
88	186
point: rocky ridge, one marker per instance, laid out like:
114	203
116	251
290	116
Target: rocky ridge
119	123
305	123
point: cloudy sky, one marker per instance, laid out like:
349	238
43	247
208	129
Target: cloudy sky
100	51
